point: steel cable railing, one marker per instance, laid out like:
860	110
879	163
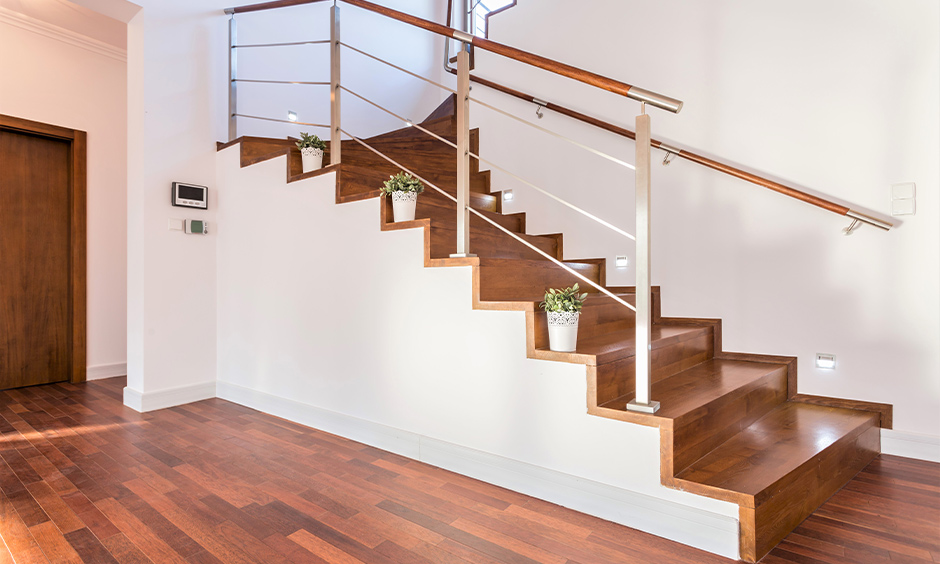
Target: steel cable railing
495	224
493	165
463	155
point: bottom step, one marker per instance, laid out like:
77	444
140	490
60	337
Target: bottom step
783	467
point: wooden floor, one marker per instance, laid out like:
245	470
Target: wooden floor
84	479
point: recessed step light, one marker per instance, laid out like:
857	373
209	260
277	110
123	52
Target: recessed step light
825	360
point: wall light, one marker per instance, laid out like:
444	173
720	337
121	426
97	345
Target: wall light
291	115
826	361
621	261
507	195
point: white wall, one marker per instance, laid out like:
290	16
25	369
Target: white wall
60	77
839	99
325	319
177	100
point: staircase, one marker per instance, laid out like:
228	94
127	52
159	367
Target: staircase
732	425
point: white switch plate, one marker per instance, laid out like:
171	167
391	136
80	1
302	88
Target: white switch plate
902	191
902	207
174	224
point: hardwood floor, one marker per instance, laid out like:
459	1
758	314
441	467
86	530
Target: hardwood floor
84	479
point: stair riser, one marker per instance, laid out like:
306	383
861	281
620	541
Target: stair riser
487	242
507	282
618	379
805	490
699	432
598	316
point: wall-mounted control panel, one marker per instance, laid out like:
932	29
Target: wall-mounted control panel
190	196
196	226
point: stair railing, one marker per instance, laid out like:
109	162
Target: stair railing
642	401
671	152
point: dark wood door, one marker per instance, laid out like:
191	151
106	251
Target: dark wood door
35	253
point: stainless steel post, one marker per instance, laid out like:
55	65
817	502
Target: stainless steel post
463	154
233	75
644	318
335	114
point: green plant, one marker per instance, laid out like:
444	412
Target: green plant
567	300
308	141
402	182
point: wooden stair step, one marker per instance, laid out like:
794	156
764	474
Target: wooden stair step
514	280
783	466
612	346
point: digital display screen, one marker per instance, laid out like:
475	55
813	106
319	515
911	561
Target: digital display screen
189	192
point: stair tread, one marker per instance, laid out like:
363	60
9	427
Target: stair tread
615	345
774	446
700	385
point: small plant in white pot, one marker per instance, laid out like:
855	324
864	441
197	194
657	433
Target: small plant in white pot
404	190
564	309
311	151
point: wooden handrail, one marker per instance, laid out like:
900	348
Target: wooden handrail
688	155
581	75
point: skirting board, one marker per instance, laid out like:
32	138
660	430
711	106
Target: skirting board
162	399
102	371
691	526
910	445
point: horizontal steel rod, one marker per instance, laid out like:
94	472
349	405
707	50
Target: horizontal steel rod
280	82
406	71
319	42
282	120
556	67
453	145
575	273
558	135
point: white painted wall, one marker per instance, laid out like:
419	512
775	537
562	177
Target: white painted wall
177	103
839	99
325	319
60	77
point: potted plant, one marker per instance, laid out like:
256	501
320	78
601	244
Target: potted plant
564	309
404	190
311	151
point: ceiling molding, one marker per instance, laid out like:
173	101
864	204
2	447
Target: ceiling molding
40	27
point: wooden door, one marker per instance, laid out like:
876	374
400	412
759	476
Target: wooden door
38	243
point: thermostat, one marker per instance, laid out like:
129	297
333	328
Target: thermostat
196	226
190	196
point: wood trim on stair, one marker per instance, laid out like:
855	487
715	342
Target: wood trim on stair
885	411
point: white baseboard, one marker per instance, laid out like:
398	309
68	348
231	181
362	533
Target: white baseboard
910	445
691	526
162	399
102	371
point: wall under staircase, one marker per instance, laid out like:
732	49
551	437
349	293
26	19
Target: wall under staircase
362	362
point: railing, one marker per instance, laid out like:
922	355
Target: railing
672	152
642	401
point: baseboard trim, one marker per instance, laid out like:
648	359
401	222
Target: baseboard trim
102	371
910	445
691	526
162	399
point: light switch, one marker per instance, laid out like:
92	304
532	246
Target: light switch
174	224
903	199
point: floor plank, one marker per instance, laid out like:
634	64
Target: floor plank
85	480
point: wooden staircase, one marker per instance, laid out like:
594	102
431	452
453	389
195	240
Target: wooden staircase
732	425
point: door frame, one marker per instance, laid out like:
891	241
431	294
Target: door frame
78	172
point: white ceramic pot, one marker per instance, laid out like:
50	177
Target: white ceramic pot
403	205
563	330
312	158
